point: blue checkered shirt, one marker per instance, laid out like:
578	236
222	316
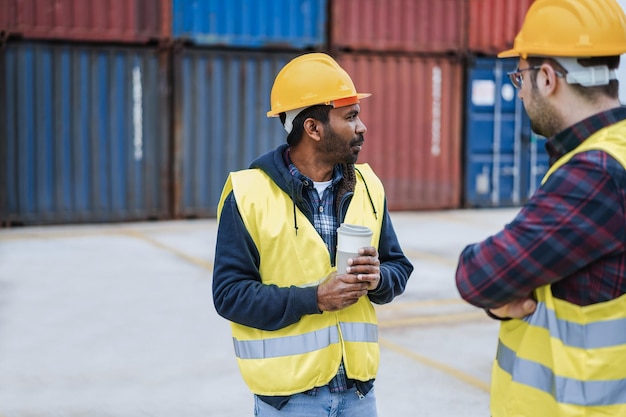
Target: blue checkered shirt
324	217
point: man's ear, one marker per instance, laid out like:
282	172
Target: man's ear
311	127
547	79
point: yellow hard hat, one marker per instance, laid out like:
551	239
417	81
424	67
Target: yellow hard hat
312	79
571	28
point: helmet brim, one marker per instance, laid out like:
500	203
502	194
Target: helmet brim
510	53
359	96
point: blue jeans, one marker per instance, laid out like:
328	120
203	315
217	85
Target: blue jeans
322	404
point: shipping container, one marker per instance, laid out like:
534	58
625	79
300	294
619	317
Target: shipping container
413	117
291	24
505	161
493	24
398	25
220	122
84	135
135	21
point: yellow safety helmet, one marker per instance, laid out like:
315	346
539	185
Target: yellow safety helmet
312	79
571	28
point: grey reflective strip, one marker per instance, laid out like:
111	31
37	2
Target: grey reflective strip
286	346
599	334
359	332
563	390
308	342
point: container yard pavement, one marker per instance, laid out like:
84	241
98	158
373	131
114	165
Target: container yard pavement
118	320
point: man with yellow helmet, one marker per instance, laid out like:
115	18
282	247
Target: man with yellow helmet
305	333
556	275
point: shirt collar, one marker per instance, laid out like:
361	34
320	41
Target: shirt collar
306	181
569	138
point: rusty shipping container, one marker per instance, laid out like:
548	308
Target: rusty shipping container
414	120
493	24
83	134
398	25
128	21
220	123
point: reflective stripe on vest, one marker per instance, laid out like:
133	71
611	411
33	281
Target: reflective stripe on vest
593	335
308	342
565	390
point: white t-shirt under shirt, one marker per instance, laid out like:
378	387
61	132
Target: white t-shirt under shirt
321	187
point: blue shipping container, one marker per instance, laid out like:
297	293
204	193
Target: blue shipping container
220	123
84	134
505	161
293	24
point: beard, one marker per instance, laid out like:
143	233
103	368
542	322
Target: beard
544	119
340	151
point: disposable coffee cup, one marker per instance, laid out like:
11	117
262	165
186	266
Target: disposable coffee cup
350	238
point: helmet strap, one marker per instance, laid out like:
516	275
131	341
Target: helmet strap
290	115
585	76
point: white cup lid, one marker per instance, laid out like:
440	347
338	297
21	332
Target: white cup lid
351	237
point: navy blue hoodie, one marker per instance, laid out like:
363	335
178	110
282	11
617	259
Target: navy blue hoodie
238	293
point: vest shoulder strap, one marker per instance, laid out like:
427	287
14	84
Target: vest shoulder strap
611	140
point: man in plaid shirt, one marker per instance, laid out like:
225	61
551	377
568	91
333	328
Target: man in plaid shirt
556	275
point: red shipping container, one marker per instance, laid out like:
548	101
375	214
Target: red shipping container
414	121
130	21
493	24
398	25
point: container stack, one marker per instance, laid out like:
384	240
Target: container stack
408	54
504	160
226	56
84	111
119	110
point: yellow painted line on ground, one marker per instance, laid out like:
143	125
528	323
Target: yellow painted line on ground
399	305
116	232
475	382
24	233
192	259
473	221
432	319
429	257
59	235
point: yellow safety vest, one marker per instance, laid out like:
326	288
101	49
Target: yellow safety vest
565	360
305	354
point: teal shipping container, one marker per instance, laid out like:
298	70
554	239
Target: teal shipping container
504	159
220	125
83	134
284	24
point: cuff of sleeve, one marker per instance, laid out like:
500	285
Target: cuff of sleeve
307	301
493	316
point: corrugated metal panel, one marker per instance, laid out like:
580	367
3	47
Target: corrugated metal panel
413	118
398	25
85	138
493	24
105	20
221	100
295	24
504	160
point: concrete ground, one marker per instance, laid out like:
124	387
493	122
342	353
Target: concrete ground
117	320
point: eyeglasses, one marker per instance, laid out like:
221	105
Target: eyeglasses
516	76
